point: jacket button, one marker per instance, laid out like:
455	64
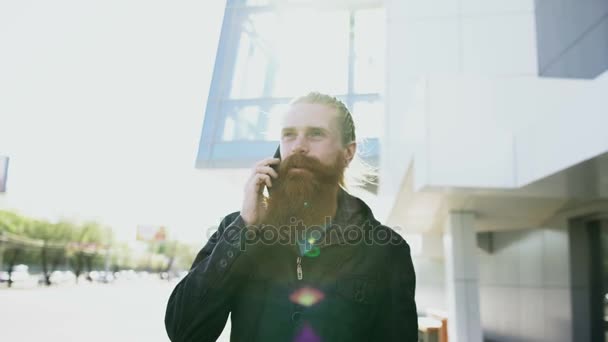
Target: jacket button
296	316
230	254
223	263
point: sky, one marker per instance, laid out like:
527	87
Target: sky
101	109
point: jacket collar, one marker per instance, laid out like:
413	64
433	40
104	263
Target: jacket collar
352	214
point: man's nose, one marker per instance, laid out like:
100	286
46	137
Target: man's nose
300	145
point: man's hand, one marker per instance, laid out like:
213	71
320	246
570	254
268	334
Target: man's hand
253	209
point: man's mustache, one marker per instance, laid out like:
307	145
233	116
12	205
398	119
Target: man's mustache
302	162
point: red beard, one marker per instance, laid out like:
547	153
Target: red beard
306	191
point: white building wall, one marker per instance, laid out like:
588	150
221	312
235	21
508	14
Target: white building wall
453	37
463	89
506	132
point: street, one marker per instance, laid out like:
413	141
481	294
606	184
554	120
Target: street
130	310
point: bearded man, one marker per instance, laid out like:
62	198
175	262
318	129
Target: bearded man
309	262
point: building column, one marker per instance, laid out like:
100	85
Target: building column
587	277
462	278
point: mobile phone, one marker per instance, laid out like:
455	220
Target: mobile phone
277	154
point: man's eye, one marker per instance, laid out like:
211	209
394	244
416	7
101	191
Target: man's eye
288	134
316	133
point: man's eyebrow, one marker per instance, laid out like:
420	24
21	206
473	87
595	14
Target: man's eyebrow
308	128
317	128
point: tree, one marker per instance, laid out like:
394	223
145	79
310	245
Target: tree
122	257
54	239
177	255
87	241
15	242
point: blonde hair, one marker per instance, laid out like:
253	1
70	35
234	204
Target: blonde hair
358	173
345	119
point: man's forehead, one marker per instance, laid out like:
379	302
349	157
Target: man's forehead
309	115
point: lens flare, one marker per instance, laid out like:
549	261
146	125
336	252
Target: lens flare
308	248
306	296
307	334
313	252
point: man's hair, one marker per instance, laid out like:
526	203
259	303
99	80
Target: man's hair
345	119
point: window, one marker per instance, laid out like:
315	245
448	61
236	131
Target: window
272	51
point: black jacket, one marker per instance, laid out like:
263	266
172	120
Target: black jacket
362	284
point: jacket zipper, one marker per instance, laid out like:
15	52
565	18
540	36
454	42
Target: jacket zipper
299	268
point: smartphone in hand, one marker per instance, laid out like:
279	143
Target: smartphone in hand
277	154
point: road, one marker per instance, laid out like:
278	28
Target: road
131	310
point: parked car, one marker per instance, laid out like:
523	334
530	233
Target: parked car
20	273
105	277
61	277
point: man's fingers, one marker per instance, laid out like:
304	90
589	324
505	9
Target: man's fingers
267	170
263	179
268	161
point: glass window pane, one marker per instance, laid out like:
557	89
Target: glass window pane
258	2
290	52
369	46
253	122
312	53
228	133
253	58
243	124
369	119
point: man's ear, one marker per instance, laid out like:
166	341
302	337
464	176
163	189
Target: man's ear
349	152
